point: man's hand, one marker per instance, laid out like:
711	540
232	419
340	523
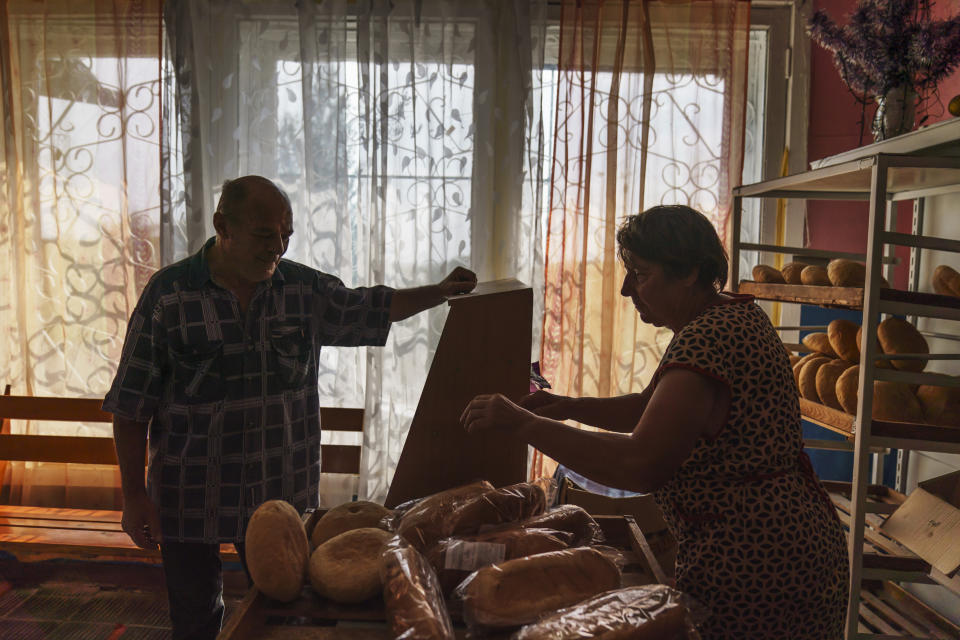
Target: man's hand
486	412
141	520
460	280
546	404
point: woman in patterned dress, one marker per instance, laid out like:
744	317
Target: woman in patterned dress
715	437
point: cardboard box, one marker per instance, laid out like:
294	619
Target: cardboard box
642	507
928	522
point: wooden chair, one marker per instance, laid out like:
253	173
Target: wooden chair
87	533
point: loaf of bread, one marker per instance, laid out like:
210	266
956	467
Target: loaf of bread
896	335
411	594
879	362
571	518
847	389
648	612
819	343
497	506
764	273
941	405
826	382
815	275
791	272
896	401
846	273
843	338
347	516
519	591
808	378
277	550
427	520
892	401
457	557
946	281
794	359
798	366
346	568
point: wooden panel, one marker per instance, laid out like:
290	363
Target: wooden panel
484	348
337	419
78	449
53	408
339	458
38	523
827	417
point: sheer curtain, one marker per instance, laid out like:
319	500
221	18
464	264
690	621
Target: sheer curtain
650	111
79	212
408	137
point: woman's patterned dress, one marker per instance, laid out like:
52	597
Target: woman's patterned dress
759	542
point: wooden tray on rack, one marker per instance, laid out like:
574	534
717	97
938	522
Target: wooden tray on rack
843	423
841	297
313	617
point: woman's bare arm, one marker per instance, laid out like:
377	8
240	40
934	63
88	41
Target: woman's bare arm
619	413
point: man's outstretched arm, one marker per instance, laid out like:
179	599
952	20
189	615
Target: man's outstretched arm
408	302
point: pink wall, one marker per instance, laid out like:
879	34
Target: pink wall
834	118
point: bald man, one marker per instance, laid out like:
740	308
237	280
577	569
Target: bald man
219	365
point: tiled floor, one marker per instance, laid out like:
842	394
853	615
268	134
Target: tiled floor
80	600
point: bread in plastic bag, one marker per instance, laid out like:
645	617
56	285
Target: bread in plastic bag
422	522
648	612
520	591
457	557
507	504
411	594
469	512
572	518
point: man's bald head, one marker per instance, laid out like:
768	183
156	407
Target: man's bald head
249	190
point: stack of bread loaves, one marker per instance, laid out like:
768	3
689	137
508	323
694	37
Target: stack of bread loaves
830	374
838	273
514	561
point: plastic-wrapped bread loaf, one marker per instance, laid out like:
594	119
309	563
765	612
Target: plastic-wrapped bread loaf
571	518
457	557
497	506
648	612
411	594
425	521
520	591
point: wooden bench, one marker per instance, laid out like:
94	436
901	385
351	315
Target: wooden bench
89	533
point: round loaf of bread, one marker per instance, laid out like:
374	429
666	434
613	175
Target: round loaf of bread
895	401
846	273
791	272
348	516
941	405
946	281
843	339
798	366
808	378
815	275
764	273
794	359
277	550
820	343
899	336
826	382
879	362
346	568
846	389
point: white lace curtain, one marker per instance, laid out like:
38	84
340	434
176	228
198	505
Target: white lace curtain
408	136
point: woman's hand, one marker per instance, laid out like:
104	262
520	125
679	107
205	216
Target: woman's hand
546	404
493	412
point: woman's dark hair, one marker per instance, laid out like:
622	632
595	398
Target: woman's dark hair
679	239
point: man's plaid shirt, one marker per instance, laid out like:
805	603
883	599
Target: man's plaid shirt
232	398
